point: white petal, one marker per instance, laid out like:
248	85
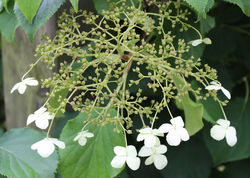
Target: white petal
231	136
157	132
22	87
140	137
218	132
145	151
196	42
77	137
31	118
120	151
150	140
161	149
118	161
177	121
146	130
89	135
36	145
149	160
46	148
42	123
160	161
173	138
133	163
224	123
226	92
30	82
131	151
164	128
215	83
82	141
15	87
57	142
183	133
40	111
213	87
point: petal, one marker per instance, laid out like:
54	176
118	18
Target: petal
140	137
15	87
207	41
218	132
173	138
77	137
46	148
215	83
31	118
118	161
57	142
145	151
160	161
164	128
42	123
213	87
224	123
161	149
177	121
36	145
82	141
183	133
196	42
22	87
120	151
149	160
30	81
150	140
131	151
231	136
89	135
146	130
133	163
157	132
40	111
226	92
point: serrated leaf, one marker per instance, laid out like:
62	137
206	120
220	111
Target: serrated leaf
75	4
243	4
29	8
219	150
46	10
18	160
93	159
193	111
10	24
199	5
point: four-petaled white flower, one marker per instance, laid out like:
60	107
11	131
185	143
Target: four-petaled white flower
155	155
126	154
82	137
46	146
199	41
222	130
21	86
149	136
217	86
41	118
176	131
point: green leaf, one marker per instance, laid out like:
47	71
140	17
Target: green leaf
200	6
29	8
93	159
4	4
243	4
46	10
193	111
8	25
18	160
75	4
219	150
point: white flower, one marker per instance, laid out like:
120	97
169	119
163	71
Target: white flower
217	86
176	131
126	154
41	118
46	146
155	155
149	136
21	86
82	137
222	130
199	41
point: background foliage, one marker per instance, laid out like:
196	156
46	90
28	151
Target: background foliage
226	23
